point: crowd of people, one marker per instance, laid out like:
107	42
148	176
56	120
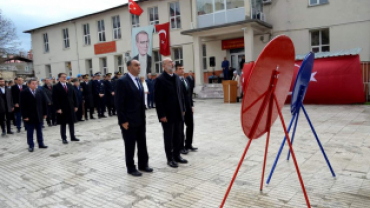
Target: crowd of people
65	100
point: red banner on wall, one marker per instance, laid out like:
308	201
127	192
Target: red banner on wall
233	43
336	80
106	47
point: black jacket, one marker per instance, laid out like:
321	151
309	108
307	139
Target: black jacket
108	89
78	93
150	84
48	93
15	95
129	104
87	93
6	103
187	94
33	107
191	82
65	101
169	98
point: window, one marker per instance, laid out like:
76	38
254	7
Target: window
153	16
205	7
127	57
135	20
66	38
86	28
104	66
204	57
157	60
232	4
46	42
219	5
318	2
69	68
89	67
257	8
48	71
26	69
175	15
120	63
320	40
101	31
177	53
116	27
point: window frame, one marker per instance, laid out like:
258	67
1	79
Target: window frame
46	42
175	16
317	3
181	59
157	62
137	24
320	46
102	31
86	36
156	22
104	68
117	29
66	43
49	70
120	66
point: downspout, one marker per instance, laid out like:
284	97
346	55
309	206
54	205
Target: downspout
78	54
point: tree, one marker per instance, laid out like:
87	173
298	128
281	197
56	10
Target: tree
9	41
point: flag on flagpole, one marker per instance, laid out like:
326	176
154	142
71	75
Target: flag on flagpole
135	8
163	31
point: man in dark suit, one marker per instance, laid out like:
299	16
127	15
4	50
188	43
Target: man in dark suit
7	107
48	89
65	103
99	93
189	120
142	44
33	105
149	83
16	89
190	80
78	91
169	101
87	96
117	75
129	98
109	93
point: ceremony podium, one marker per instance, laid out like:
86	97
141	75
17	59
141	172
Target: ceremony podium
230	91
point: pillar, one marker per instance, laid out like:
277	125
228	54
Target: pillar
198	66
248	44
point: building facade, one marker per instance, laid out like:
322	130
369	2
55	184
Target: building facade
203	32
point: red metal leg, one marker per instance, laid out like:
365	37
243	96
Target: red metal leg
254	102
236	173
293	155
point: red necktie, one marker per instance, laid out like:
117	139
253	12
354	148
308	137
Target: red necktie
20	88
65	87
49	87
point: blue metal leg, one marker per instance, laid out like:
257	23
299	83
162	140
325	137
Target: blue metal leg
281	149
318	141
294	129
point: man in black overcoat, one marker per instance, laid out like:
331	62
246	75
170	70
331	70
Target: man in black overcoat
117	75
33	106
109	92
7	107
48	89
169	100
78	91
16	89
87	87
99	93
65	103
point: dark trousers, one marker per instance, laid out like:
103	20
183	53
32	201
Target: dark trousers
189	122
91	110
30	129
5	118
79	113
150	100
226	74
172	137
63	129
130	137
101	107
109	104
51	117
18	119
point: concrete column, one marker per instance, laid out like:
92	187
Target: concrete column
110	63
198	66
95	64
248	43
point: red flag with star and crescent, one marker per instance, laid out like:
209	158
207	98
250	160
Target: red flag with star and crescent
163	31
135	8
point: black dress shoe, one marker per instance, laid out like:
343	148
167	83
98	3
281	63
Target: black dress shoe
81	120
184	151
92	118
181	160
43	147
193	149
135	173
65	141
172	164
3	134
10	132
146	169
30	149
75	140
19	131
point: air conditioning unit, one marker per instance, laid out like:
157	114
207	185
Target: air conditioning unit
266	1
261	16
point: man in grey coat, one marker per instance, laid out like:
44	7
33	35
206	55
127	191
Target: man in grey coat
6	108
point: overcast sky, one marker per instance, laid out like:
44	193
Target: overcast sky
29	14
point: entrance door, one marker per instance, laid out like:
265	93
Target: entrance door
236	58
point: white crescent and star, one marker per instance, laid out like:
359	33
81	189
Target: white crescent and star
312	79
165	35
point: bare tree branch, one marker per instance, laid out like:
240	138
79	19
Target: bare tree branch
9	41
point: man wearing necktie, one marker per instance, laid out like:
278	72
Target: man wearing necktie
16	90
189	119
6	107
65	103
33	104
129	99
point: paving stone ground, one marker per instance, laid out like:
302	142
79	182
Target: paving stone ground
92	173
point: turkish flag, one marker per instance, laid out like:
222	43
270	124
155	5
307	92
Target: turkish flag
134	8
163	31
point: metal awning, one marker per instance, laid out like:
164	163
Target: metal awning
350	52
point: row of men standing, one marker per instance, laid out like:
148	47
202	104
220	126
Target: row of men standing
174	105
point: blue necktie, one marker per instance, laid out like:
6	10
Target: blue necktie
140	90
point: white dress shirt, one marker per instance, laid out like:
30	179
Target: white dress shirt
3	90
134	80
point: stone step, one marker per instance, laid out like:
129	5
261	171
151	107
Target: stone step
209	91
